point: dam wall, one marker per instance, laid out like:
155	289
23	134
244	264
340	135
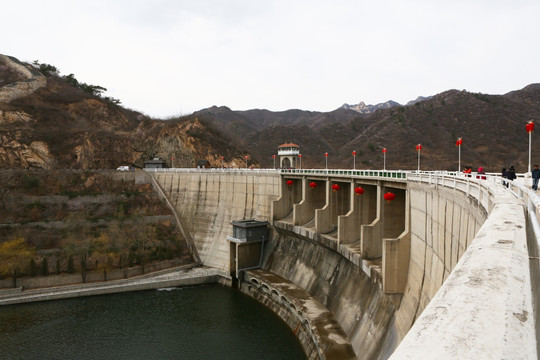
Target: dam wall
357	302
485	307
468	271
443	224
207	202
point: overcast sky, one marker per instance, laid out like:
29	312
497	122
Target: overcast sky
171	57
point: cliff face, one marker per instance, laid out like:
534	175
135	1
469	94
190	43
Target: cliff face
58	125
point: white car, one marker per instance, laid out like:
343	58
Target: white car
122	168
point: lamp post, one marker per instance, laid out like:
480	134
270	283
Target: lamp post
529	127
246	157
326	160
300	157
222	158
384	158
354	159
419	149
172	160
459	142
274	158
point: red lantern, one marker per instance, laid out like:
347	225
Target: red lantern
289	182
273	156
384	150
354	153
529	127
418	147
326	154
389	197
459	142
359	191
335	187
313	184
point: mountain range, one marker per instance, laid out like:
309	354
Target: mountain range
492	128
63	126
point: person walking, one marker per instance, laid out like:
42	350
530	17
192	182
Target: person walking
511	173
535	177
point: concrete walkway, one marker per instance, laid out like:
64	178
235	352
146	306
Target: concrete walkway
183	276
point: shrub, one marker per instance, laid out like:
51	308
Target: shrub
30	182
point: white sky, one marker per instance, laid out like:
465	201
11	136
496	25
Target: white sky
172	57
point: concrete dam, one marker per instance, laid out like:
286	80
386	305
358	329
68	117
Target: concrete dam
446	267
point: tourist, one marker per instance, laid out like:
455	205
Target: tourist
511	173
504	175
467	171
481	174
536	177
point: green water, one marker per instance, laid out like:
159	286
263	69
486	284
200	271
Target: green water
203	322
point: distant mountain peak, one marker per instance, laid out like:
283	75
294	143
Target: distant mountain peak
362	108
418	99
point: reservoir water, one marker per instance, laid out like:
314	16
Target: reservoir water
202	322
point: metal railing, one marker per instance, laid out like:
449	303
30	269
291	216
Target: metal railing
385	174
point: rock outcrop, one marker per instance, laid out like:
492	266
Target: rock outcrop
33	80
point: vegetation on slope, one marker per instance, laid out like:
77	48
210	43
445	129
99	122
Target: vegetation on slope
81	221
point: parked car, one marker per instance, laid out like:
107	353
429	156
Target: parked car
122	168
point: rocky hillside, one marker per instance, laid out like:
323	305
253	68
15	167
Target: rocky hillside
63	126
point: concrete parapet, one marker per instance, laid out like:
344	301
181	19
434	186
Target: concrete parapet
484	309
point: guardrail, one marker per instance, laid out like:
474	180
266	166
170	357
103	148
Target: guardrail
386	174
